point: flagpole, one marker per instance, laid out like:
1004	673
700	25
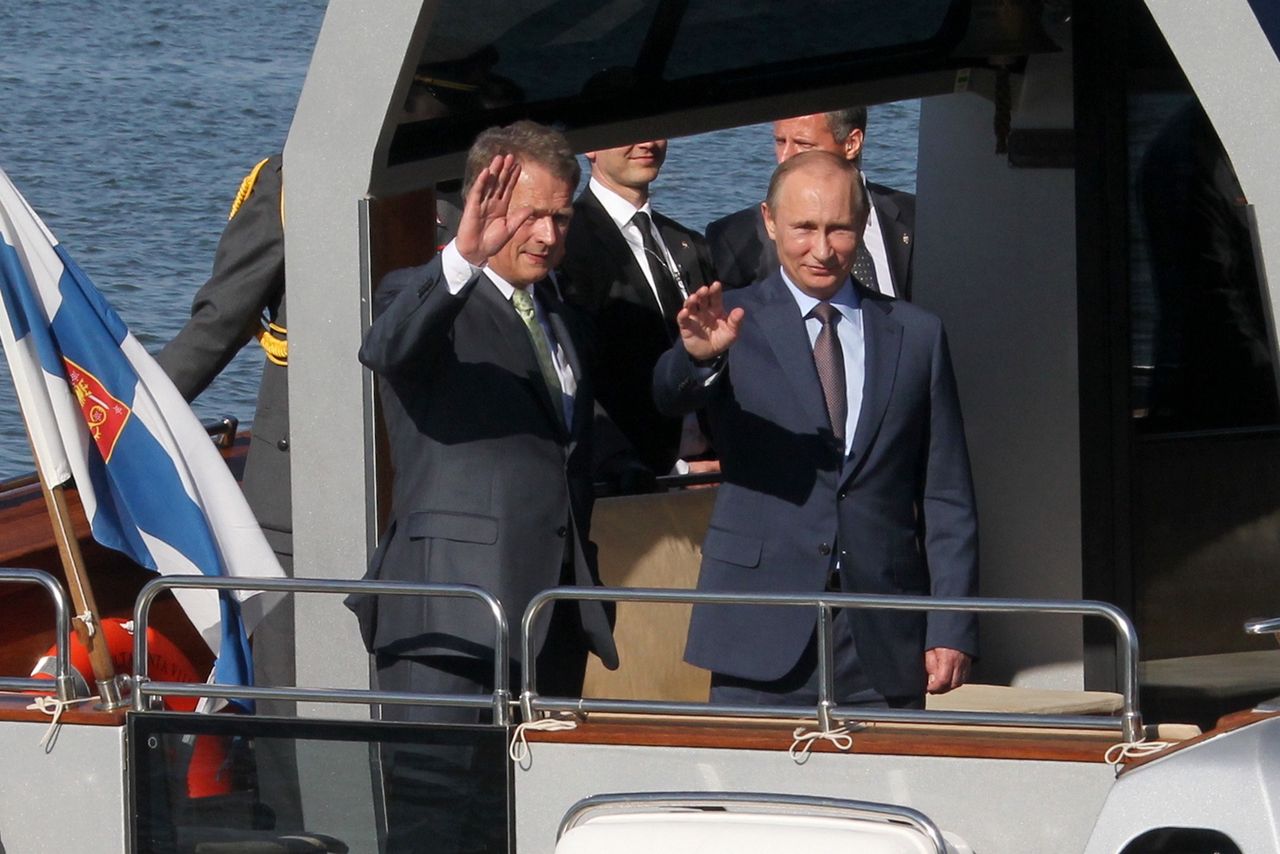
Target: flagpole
86	622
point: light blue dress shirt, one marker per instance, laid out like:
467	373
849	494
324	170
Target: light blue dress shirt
852	344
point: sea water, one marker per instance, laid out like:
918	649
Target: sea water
128	127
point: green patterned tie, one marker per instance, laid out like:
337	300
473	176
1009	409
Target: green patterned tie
523	302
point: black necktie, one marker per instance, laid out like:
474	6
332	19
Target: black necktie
864	268
829	359
669	297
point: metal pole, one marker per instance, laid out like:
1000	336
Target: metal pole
94	641
826	668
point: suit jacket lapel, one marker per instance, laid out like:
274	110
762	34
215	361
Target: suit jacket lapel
897	240
882	344
510	330
564	337
784	330
606	236
768	251
683	252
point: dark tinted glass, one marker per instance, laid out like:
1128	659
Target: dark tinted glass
1201	346
216	783
489	61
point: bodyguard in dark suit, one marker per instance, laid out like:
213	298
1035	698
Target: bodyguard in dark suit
743	253
631	268
844	461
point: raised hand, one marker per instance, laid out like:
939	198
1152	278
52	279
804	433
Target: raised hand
487	221
705	328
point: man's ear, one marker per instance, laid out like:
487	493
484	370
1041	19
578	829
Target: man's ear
591	157
853	144
770	228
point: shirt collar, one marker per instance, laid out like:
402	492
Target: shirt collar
619	209
504	288
846	300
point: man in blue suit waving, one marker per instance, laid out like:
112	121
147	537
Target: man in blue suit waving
836	419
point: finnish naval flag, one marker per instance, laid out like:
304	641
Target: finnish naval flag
101	413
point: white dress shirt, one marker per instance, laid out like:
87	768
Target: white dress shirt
873	237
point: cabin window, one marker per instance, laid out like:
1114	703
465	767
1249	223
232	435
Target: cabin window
577	62
1202	349
559	49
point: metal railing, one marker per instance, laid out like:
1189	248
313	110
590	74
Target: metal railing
143	687
63	682
721	803
222	431
1266	626
828	711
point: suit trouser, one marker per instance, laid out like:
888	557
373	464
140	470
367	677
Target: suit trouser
451	796
799	687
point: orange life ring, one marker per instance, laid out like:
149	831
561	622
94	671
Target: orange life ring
207	772
166	663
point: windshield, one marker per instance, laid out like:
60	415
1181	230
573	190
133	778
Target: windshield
482	62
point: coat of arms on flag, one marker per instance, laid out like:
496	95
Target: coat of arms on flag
104	414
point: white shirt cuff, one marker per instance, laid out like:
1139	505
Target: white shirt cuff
457	270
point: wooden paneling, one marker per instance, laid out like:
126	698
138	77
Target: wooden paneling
1055	745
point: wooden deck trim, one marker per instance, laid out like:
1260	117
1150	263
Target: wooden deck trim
1233	721
986	742
13	707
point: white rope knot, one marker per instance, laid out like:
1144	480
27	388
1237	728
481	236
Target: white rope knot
55	707
519	750
88	620
1117	753
803	740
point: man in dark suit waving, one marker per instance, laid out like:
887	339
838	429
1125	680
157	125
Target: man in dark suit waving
631	269
743	252
845	468
488	410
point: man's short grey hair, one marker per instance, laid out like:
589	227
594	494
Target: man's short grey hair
530	142
844	122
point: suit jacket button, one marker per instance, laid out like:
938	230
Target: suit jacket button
824	549
841	495
561	531
283	444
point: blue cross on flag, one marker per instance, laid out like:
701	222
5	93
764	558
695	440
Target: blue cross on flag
102	413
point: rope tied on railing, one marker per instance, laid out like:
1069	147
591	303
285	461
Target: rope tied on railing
1117	753
803	740
519	750
50	705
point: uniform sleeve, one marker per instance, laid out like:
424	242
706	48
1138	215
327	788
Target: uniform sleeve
247	277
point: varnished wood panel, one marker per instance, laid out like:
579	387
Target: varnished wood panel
1053	745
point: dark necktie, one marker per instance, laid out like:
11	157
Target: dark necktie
864	268
669	297
829	359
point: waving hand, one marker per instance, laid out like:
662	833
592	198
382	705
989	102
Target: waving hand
706	329
487	221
